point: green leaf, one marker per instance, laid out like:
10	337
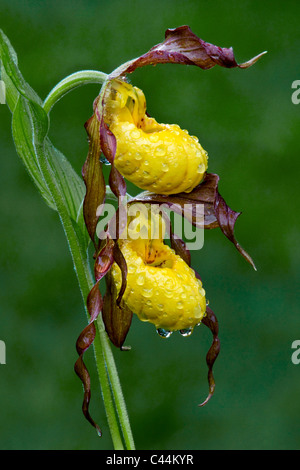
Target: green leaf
22	134
30	125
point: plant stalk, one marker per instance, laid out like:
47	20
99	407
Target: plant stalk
71	82
108	376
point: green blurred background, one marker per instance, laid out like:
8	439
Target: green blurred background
247	122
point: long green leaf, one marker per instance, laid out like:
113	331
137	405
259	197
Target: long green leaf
30	124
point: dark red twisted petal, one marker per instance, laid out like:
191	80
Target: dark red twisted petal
103	263
182	46
117	318
179	246
109	145
93	178
226	219
84	341
121	262
210	320
216	212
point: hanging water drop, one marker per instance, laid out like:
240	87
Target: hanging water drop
186	331
164	333
104	160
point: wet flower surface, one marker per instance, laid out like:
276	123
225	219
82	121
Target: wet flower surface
145	276
161	288
161	158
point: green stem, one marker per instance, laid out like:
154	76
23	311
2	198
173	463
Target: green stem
85	281
108	375
70	83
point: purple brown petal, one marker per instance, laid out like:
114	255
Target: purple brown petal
182	46
117	318
210	320
84	341
93	178
103	263
216	212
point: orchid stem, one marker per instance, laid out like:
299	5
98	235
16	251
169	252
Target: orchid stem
114	402
71	82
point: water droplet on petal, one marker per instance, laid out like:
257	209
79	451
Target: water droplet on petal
160	151
201	168
147	292
164	333
140	280
135	134
153	138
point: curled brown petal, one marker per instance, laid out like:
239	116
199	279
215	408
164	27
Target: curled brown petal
93	178
84	341
109	146
182	46
210	320
180	248
226	218
216	212
103	263
104	259
117	318
117	182
119	259
108	140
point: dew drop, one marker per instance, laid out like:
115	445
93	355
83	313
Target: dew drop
140	280
164	167
201	168
135	134
153	138
169	294
160	151
147	292
164	333
104	160
186	331
138	156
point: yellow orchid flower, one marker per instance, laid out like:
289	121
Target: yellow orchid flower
161	288
162	158
144	275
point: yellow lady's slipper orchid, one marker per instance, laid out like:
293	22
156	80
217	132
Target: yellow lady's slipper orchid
161	158
161	287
